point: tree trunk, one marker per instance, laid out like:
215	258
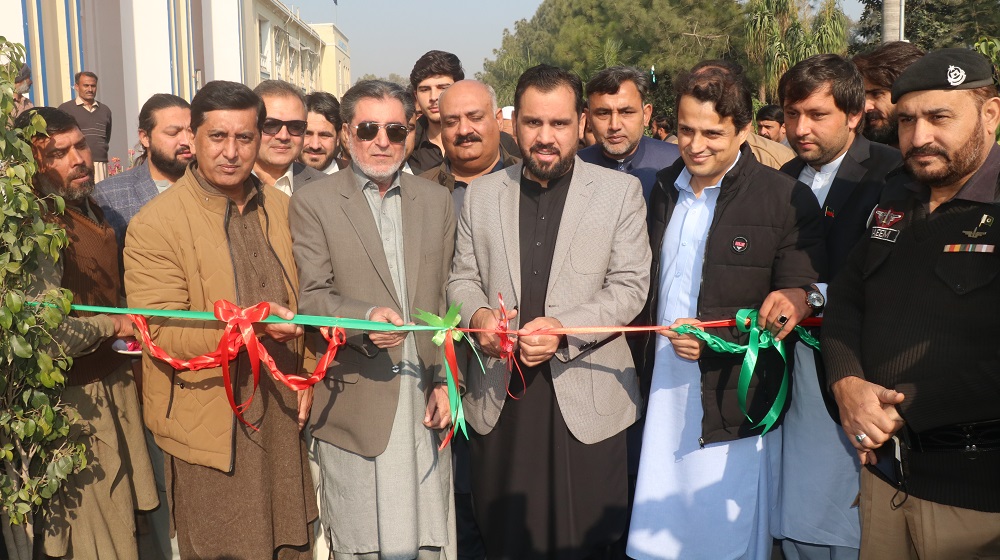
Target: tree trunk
892	28
18	540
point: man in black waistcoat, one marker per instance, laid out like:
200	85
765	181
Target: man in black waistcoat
910	334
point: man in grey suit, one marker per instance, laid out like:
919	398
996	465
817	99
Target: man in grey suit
282	138
565	243
166	137
373	243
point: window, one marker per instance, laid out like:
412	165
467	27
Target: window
264	36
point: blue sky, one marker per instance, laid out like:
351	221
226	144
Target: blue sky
389	35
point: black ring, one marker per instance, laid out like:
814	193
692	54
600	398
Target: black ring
782	320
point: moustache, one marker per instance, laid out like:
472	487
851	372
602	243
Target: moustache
546	147
926	151
471	137
183	152
314	151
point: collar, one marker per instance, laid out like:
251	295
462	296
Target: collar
981	187
332	168
91	108
683	182
553	184
626	162
830	168
214	199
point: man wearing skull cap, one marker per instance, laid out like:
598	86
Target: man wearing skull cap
910	333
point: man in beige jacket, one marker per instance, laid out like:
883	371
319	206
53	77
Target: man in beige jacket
218	234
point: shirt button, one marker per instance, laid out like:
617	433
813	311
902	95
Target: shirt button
543	217
677	274
535	273
395	369
538	243
262	284
255	253
684	243
244	226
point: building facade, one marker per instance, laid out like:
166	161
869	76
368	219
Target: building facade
141	47
336	70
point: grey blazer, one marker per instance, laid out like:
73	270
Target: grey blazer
343	272
600	277
302	175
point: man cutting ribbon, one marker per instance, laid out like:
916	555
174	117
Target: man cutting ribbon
219	234
727	233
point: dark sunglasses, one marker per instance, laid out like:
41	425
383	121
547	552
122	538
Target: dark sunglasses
395	132
273	126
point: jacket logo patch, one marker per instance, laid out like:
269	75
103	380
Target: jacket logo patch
886	218
740	244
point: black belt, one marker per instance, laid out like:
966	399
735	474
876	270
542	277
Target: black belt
968	438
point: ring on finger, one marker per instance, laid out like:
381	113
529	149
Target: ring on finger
782	320
861	437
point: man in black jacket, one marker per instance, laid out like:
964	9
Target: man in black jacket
910	335
824	100
727	233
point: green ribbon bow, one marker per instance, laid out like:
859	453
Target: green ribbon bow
760	339
444	326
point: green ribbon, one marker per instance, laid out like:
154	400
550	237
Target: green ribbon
760	339
447	325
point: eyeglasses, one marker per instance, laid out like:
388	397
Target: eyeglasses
395	132
273	126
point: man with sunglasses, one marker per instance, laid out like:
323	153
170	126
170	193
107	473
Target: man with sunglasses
282	138
375	243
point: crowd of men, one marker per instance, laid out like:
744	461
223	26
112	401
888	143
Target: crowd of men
878	177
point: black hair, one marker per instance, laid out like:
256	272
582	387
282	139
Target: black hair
436	63
610	80
727	90
220	95
771	113
546	78
325	104
819	71
883	65
87	73
56	120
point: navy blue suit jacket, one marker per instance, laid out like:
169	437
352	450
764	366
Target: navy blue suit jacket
650	157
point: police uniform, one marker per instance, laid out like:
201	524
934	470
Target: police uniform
916	310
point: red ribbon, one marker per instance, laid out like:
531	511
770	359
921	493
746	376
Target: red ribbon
238	333
507	347
449	355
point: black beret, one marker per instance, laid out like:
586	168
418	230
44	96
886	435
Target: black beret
947	69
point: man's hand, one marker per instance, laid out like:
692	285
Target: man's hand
789	303
305	397
486	318
386	339
281	332
869	409
686	346
437	416
537	349
123	326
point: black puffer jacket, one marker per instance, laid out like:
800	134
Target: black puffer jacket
766	235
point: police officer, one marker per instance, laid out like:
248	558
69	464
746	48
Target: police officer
910	333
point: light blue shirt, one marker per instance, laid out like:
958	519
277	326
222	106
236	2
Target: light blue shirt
691	501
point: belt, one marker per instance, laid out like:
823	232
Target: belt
965	438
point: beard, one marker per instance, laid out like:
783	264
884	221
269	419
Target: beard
887	133
169	166
546	172
958	164
618	150
379	173
21	88
65	190
324	163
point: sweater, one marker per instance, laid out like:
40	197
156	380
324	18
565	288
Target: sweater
95	125
915	310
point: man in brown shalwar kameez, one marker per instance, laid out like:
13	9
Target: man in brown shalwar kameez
219	234
93	514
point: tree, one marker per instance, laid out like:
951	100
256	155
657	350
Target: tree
931	24
585	36
35	444
782	33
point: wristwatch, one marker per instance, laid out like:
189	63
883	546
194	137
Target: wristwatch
815	299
